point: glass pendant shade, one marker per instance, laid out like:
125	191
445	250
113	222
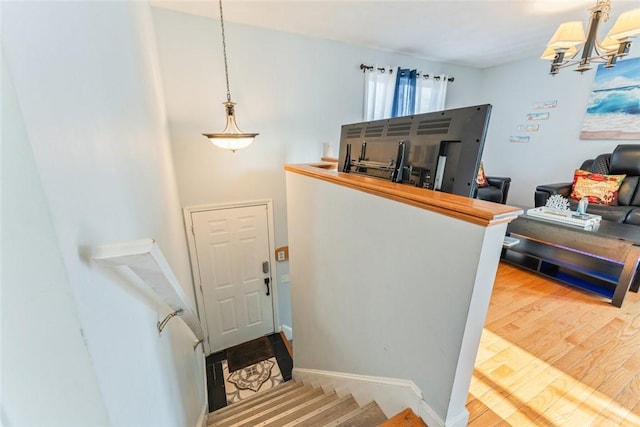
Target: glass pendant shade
231	138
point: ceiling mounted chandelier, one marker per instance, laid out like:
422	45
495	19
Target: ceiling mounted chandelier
231	138
563	48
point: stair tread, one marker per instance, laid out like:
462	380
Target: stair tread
325	407
299	411
253	400
405	418
364	416
257	405
346	405
275	409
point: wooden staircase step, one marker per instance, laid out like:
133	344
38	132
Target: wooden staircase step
343	406
365	416
275	409
299	411
256	405
295	404
406	418
254	400
303	420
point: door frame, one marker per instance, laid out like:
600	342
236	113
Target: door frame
193	258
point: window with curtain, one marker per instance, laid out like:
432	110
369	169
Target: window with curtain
395	91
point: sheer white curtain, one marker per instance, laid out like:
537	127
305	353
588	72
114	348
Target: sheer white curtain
379	87
431	92
383	90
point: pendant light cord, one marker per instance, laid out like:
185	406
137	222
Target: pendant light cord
224	52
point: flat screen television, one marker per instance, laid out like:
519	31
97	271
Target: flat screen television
438	151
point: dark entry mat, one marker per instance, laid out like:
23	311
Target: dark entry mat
249	353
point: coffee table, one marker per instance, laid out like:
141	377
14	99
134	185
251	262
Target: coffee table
603	261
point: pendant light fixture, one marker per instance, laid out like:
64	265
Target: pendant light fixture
563	50
231	138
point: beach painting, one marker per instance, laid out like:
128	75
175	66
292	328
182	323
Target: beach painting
613	111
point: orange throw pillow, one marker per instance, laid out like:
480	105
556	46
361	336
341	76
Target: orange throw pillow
481	179
597	188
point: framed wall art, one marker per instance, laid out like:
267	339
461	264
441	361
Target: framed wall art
613	111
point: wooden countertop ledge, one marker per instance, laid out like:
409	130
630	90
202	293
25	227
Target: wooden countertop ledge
464	208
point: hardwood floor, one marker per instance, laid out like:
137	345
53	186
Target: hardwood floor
552	355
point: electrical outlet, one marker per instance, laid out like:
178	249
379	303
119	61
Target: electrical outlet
284	278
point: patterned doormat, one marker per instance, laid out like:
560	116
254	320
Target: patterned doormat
250	380
249	353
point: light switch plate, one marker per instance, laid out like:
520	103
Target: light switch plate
282	253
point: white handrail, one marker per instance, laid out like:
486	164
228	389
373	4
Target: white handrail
146	260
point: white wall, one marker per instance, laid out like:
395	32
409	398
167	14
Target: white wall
89	162
47	375
295	91
556	150
374	299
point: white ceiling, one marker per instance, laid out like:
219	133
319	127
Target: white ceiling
473	33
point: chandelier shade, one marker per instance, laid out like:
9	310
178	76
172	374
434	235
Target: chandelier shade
231	138
567	35
627	25
570	45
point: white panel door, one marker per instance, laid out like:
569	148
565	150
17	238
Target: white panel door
232	245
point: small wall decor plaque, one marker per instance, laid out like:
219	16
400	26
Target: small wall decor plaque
544	105
537	116
517	138
528	128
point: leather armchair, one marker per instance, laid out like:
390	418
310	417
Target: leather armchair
497	190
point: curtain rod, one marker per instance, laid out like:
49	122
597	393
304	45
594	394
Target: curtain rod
365	67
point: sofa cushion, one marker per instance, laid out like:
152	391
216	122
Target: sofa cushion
627	192
625	159
490	193
597	188
600	164
609	213
633	217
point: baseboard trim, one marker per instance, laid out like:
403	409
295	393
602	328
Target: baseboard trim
288	331
392	395
204	416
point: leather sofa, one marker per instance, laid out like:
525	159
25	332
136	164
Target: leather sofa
497	190
625	159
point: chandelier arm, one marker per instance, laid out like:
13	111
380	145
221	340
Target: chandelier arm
592	35
603	53
224	52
